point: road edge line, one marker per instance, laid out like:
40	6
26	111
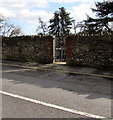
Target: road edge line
52	105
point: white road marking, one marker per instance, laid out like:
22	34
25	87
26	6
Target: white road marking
19	70
52	105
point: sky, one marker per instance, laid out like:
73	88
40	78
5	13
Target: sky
25	13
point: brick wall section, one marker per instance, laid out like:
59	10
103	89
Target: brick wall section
90	50
69	49
28	48
50	50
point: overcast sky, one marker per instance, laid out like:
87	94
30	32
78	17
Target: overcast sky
25	13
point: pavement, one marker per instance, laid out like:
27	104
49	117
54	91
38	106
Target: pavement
62	67
40	93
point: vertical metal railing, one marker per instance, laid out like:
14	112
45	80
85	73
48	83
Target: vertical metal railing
59	51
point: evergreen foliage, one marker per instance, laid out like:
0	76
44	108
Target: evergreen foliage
60	24
104	16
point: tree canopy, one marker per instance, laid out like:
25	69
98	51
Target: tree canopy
8	29
42	28
61	23
104	16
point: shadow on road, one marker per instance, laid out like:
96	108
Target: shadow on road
93	87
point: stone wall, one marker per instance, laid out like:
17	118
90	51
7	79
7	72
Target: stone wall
28	48
81	50
93	50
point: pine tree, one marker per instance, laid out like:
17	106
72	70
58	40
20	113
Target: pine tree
60	24
54	24
104	14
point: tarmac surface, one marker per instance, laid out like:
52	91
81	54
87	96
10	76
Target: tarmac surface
62	67
79	89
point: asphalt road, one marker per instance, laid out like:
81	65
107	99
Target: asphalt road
48	94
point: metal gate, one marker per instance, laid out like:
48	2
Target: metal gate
59	49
